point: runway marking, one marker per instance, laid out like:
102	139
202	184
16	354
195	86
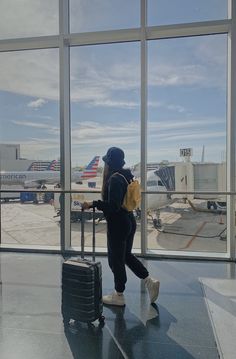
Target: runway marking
194	236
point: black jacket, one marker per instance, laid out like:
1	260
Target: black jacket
114	193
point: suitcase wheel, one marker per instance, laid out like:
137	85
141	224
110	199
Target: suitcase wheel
66	320
101	320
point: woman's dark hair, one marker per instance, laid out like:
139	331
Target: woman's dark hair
106	176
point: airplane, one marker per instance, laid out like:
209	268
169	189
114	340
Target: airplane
37	179
154	183
154	201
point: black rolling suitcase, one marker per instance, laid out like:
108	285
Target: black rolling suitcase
82	286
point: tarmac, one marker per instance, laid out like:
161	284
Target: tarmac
182	227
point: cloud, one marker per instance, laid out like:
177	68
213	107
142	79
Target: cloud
187	122
43	117
38	18
213	50
42	148
94	133
105	85
52	130
115	103
183	136
37	103
36	73
178	75
176	108
167	137
30	124
97	76
32	73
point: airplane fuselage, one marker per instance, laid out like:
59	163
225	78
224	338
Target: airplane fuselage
26	177
30	179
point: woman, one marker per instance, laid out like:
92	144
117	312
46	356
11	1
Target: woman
121	227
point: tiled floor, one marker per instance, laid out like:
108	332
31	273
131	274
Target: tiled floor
177	327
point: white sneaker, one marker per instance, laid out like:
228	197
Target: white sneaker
114	299
153	286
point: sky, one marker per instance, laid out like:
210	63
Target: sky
186	83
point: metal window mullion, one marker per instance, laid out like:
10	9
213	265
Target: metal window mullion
65	133
188	29
32	43
115	36
231	132
104	37
143	45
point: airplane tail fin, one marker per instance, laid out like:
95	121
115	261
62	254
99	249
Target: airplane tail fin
91	170
30	167
54	166
39	166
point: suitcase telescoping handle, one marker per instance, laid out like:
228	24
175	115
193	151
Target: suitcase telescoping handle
82	233
93	234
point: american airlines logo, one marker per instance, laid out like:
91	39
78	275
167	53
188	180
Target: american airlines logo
14	176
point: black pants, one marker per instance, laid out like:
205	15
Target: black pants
121	228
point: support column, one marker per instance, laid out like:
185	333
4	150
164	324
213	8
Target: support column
65	127
143	125
231	131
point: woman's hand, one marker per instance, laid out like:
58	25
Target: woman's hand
87	205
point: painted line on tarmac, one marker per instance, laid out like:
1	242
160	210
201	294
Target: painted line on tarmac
194	236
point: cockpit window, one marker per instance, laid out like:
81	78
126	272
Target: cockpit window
151	183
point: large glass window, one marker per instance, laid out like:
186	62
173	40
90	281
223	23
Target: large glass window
105	112
188	97
99	15
187	142
29	137
28	18
167	12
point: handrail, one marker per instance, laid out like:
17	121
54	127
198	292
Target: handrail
96	191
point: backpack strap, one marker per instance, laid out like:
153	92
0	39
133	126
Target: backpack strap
118	173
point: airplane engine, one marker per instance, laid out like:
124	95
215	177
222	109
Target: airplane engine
30	184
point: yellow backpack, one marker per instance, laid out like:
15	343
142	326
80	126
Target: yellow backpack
133	194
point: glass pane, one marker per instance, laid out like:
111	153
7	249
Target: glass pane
29	145
99	15
163	12
187	224
105	112
187	129
28	18
27	220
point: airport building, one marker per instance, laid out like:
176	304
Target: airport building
158	80
10	160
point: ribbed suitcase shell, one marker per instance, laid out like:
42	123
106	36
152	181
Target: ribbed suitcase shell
82	285
82	290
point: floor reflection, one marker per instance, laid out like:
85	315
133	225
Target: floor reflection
139	339
85	341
